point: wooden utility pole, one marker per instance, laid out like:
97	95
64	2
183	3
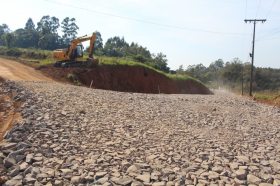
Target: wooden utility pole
253	48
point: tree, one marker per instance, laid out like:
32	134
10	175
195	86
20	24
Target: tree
98	45
48	36
3	30
180	70
26	38
69	29
48	25
198	71
9	38
29	25
160	62
115	47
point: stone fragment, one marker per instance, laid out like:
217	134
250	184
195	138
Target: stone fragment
13	182
137	183
132	168
123	180
75	179
213	175
241	174
253	179
29	158
144	178
99	175
9	162
276	182
159	183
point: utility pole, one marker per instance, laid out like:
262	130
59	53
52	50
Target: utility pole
253	48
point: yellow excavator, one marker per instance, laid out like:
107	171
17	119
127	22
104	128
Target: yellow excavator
73	55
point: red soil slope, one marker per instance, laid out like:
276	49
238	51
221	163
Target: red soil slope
128	79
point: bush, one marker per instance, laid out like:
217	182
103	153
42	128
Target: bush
13	52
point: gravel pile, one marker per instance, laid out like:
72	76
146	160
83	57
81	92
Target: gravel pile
77	136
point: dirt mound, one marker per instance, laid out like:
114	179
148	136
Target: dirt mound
127	79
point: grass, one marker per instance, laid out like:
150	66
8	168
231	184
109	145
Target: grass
269	97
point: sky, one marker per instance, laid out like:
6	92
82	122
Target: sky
188	32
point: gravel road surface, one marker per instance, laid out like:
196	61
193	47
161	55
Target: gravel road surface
73	135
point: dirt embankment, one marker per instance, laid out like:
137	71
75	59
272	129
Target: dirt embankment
127	79
8	111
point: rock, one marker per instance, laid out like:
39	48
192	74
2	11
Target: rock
29	158
6	146
276	182
144	178
99	175
29	180
275	165
23	166
122	181
14	171
58	183
213	175
234	166
137	183
239	182
171	183
253	179
75	179
102	180
265	184
241	174
13	183
218	169
243	159
9	162
132	168
159	183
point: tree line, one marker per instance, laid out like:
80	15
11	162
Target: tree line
45	36
230	74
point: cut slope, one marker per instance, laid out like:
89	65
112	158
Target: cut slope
128	79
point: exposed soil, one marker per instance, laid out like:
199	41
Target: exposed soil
8	111
127	79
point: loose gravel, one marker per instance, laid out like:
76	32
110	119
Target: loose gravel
73	135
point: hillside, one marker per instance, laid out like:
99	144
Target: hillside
119	74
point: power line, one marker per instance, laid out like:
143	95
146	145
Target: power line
270	10
147	22
258	8
246	9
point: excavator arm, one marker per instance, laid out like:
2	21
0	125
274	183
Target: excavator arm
78	40
71	57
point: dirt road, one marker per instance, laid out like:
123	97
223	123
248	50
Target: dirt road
13	70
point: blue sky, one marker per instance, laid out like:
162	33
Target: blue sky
187	31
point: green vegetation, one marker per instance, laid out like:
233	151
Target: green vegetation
229	75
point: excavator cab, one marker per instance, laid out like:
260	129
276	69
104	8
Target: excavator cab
78	52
